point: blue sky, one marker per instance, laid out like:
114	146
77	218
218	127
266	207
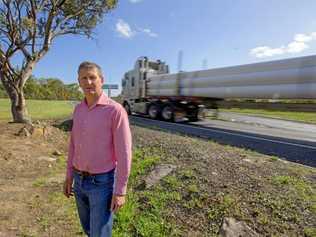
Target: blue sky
218	32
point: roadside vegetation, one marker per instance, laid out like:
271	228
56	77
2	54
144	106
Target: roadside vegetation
39	109
48	89
210	182
274	198
307	117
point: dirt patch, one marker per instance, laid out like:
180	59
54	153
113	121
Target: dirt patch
21	165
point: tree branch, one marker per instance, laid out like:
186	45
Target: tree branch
26	72
48	26
11	69
33	11
68	31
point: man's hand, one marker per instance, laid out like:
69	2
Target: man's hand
68	188
117	202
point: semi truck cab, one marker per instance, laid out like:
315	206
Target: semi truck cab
136	99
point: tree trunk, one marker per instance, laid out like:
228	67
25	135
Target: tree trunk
18	106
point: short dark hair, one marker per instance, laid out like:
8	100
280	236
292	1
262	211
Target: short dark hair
90	65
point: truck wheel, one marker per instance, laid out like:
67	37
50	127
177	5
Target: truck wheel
153	111
197	115
127	109
167	113
193	119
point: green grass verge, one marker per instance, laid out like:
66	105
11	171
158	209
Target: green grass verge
181	195
299	187
39	109
142	215
308	117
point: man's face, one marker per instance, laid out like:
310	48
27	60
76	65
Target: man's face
90	81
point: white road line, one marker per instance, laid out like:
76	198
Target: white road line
246	136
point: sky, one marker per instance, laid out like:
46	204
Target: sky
210	34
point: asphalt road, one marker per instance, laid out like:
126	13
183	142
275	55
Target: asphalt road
289	144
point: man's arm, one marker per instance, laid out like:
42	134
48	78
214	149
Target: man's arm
69	171
122	141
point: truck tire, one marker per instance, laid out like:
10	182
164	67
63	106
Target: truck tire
167	113
194	119
198	114
153	111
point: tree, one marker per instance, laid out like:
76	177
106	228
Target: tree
2	91
27	30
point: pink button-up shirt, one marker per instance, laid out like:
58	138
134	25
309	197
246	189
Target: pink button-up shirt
101	140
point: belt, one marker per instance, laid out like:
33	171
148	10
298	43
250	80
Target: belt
83	173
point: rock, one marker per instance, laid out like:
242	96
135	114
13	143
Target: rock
233	228
23	132
37	132
37	122
57	153
248	160
47	131
47	158
158	173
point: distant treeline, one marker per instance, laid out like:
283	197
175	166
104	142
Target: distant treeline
48	89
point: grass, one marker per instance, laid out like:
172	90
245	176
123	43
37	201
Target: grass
147	211
308	117
39	109
144	212
310	232
298	186
276	210
216	212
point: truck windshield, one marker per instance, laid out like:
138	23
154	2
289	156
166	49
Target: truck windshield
153	65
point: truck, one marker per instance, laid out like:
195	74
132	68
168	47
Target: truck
149	89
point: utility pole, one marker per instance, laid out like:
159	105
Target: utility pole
180	59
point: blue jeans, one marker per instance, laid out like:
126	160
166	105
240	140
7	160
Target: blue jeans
93	196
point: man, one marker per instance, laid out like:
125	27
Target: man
99	153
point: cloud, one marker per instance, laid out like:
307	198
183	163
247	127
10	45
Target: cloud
149	32
296	47
135	1
265	51
303	38
124	29
299	44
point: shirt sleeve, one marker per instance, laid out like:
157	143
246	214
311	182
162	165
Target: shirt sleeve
122	141
69	173
71	149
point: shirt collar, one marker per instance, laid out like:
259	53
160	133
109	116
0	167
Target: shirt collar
102	100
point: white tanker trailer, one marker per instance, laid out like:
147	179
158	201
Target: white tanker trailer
149	89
